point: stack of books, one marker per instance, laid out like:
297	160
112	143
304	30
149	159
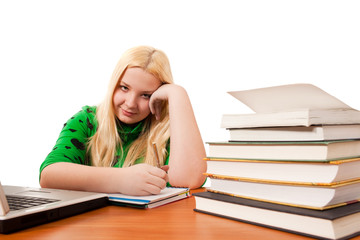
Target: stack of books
294	165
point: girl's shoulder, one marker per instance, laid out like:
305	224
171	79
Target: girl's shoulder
86	112
89	110
86	117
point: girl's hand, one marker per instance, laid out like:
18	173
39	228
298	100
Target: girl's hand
143	179
162	94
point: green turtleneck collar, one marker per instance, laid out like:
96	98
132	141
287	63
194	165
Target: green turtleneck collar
129	132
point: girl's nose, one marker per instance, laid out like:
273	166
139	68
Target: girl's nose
131	100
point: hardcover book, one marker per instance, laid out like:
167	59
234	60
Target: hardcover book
286	170
312	133
300	194
337	223
320	150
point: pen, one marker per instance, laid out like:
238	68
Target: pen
156	154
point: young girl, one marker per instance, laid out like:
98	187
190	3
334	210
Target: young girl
109	148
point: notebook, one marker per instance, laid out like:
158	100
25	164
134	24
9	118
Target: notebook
167	195
23	207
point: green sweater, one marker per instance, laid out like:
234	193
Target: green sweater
71	144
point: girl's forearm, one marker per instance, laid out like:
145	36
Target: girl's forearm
71	176
187	148
140	179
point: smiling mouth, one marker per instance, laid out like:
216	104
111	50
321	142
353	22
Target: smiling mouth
126	113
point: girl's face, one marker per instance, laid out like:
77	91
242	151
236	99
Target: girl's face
132	95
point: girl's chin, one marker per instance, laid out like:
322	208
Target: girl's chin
128	120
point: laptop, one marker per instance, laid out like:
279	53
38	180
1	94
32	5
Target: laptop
23	207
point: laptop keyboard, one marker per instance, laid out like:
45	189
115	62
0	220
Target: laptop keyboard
21	202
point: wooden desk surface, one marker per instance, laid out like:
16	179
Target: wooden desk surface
173	221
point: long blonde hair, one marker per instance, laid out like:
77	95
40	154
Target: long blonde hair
104	144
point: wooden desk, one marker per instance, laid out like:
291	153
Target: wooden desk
173	221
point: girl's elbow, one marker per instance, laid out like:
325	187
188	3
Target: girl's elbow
191	182
43	182
198	183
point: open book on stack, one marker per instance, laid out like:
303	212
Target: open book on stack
300	152
290	105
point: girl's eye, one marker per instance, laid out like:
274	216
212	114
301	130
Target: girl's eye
124	88
147	96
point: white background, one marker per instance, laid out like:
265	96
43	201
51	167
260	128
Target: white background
56	56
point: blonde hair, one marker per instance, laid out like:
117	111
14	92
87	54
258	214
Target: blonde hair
104	144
